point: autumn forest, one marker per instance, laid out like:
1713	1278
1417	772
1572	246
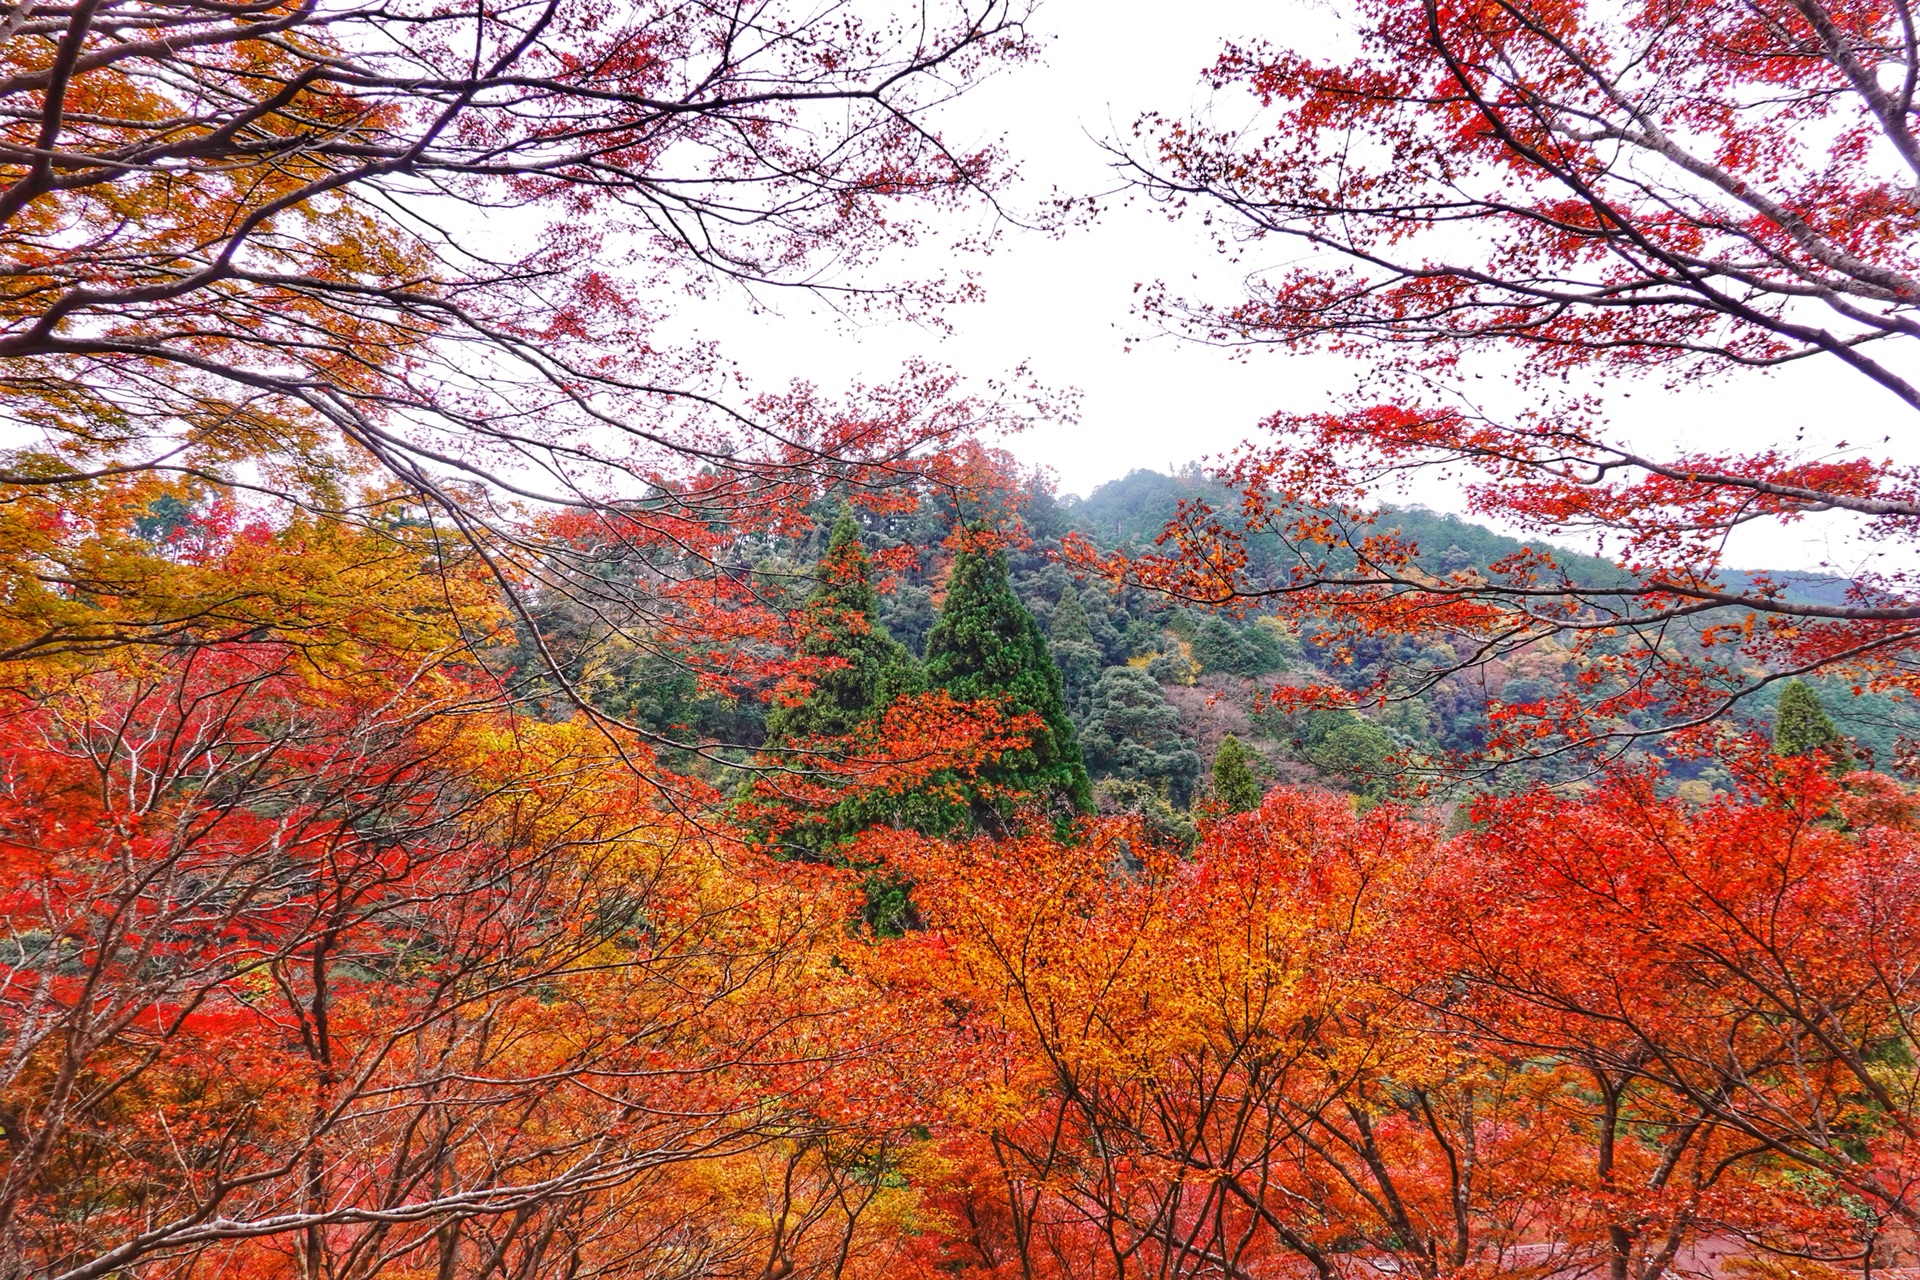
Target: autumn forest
493	787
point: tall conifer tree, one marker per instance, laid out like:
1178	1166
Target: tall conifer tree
987	646
1074	652
1800	724
1234	783
843	620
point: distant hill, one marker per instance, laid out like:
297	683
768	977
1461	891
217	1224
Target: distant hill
1133	510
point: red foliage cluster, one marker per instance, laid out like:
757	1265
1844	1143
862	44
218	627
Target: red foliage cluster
1541	192
343	934
1611	1034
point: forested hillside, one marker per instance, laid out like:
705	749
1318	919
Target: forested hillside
499	781
1153	687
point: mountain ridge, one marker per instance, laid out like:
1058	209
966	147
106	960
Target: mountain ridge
1134	509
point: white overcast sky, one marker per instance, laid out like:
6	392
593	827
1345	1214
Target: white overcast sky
1063	306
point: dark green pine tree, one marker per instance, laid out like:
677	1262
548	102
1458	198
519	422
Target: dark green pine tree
987	646
843	621
1070	619
1074	651
1234	784
1800	724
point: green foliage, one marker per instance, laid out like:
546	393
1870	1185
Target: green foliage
908	614
986	645
660	694
1408	721
1352	749
1074	652
842	619
1800	724
1133	733
1135	509
888	910
1524	690
1356	752
1142	635
1234	783
1311	728
1079	666
1070	620
1219	645
1171	668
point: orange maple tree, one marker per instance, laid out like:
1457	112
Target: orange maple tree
327	954
437	250
1592	1035
1745	966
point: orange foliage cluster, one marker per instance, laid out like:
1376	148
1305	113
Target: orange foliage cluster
334	947
1604	1036
326	954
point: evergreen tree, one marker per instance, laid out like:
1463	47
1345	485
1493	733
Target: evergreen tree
1253	650
842	616
843	621
1074	651
1233	782
1133	734
1356	751
987	646
1800	724
1070	620
1350	747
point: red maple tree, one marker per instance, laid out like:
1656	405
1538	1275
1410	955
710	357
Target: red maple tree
1549	191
